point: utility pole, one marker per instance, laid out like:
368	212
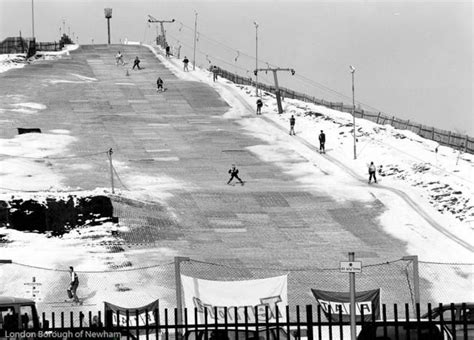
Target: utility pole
256	57
163	32
195	32
353	110
33	18
109	153
277	89
108	15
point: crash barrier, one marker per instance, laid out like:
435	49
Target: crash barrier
452	321
122	282
456	141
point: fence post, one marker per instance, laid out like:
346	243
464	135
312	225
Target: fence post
432	133
177	275
449	138
378	117
309	321
416	276
465	143
362	113
393	118
406	125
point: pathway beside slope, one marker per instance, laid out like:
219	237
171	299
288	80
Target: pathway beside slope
177	146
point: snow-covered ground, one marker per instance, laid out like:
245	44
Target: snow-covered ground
18	60
434	179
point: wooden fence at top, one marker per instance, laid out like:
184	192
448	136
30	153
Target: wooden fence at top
14	45
447	138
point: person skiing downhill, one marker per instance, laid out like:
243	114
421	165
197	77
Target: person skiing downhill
234	173
159	85
119	59
372	171
136	63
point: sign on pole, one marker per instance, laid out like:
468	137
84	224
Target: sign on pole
350	267
33	290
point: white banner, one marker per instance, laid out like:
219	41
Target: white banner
257	295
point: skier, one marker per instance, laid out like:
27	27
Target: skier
71	291
136	63
292	125
322	141
159	84
259	106
185	62
372	171
234	173
167	51
119	59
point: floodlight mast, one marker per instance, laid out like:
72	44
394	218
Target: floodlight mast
161	22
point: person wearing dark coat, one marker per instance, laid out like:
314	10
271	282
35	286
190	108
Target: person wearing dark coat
322	141
234	173
136	63
259	106
292	125
185	63
372	171
159	84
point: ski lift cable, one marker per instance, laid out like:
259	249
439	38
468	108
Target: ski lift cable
307	80
228	47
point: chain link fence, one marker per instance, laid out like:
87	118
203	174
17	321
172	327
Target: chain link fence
135	287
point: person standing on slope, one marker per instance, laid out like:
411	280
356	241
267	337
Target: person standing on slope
372	171
185	64
292	125
215	71
322	141
259	106
73	285
234	173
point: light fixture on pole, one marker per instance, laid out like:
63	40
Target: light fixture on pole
256	57
195	32
33	19
353	110
108	15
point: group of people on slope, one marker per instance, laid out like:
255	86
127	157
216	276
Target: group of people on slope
119	61
322	141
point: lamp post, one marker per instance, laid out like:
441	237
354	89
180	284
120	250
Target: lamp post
195	32
256	57
353	110
33	19
108	15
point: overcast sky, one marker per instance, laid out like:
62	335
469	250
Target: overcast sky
413	58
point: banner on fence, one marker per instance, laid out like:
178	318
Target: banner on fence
336	304
115	315
259	297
